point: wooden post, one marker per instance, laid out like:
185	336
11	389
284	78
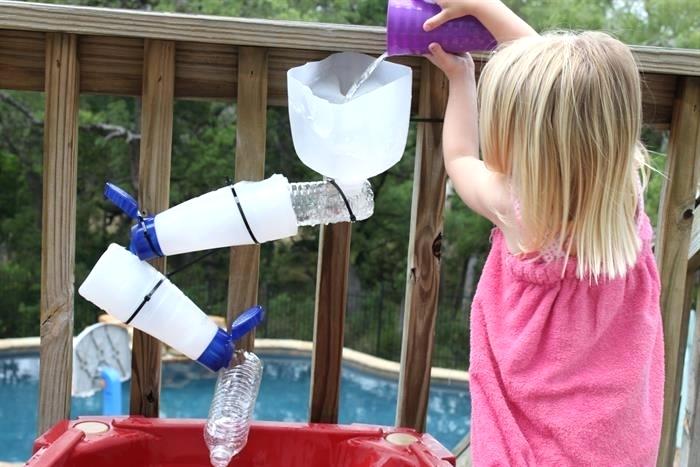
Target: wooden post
154	190
690	448
329	321
423	275
58	228
251	132
674	229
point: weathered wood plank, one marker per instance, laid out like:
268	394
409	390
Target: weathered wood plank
667	61
675	223
194	28
423	275
658	92
113	65
256	32
251	133
329	321
154	191
690	448
206	71
58	228
22	57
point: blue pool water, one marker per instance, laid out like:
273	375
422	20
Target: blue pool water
187	389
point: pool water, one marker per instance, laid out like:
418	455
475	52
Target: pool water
187	389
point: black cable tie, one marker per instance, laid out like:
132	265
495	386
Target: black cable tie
347	203
144	301
187	265
245	220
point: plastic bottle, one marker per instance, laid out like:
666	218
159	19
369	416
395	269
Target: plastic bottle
322	203
261	211
136	293
240	214
231	411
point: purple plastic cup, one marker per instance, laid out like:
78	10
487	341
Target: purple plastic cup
405	34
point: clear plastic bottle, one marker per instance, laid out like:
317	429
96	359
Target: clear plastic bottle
321	203
231	411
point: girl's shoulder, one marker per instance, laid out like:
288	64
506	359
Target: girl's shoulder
551	261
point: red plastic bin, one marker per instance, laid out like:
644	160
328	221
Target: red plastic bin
139	441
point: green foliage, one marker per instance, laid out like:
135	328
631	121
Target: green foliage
203	157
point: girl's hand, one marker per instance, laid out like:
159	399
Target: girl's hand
493	14
454	66
451	9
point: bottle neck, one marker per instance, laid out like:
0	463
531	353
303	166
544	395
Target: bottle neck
350	188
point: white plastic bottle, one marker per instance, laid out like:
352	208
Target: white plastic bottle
136	293
242	214
231	411
323	203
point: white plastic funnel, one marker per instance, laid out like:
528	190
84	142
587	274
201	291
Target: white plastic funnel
354	140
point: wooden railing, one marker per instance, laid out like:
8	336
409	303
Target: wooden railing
67	51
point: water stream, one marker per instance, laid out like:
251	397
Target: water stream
364	76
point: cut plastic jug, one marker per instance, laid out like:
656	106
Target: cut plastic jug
241	214
136	293
349	141
405	34
244	213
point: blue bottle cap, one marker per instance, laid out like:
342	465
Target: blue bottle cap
144	240
246	322
122	200
218	353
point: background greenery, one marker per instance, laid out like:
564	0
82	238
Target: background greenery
203	151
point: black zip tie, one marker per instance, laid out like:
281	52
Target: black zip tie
347	203
187	265
245	220
144	301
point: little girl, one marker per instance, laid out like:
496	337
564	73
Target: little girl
566	336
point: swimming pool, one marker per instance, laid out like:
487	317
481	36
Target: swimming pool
187	389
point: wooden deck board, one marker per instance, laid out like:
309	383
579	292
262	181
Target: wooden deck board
251	133
256	32
423	264
673	242
113	65
154	192
60	176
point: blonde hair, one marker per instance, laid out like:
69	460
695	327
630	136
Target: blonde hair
561	116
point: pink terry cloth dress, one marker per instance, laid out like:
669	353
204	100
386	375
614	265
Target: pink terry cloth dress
563	372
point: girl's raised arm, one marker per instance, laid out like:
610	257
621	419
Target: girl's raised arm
483	190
